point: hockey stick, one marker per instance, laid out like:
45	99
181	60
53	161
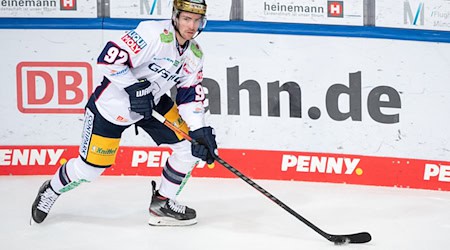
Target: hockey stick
337	239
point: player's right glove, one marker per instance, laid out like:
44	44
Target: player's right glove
141	98
205	146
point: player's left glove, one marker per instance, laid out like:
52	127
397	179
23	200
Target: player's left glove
205	146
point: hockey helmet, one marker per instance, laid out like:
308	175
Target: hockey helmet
193	6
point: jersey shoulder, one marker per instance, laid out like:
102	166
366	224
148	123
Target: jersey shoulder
196	49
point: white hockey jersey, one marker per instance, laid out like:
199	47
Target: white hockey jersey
150	51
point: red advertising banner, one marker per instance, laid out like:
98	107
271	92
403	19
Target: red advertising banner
256	164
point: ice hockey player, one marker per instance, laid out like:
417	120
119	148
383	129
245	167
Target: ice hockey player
139	68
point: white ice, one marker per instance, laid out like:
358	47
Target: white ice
111	213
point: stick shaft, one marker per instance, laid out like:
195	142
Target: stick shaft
355	238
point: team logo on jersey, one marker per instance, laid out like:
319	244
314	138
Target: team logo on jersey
196	50
134	41
166	36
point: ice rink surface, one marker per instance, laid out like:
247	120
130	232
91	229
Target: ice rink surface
111	213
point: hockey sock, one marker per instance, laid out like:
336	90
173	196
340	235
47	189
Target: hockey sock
73	173
177	170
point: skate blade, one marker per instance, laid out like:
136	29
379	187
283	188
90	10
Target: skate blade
171	222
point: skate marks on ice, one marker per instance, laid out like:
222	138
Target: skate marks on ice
112	213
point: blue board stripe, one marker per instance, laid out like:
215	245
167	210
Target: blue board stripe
236	27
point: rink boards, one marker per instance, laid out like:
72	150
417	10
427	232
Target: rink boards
257	164
324	106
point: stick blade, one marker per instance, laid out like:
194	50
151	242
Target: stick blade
357	238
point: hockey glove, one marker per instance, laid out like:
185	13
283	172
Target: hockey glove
205	146
141	98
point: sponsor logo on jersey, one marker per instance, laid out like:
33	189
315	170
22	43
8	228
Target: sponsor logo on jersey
164	73
87	132
199	110
316	164
121	119
178	122
200	75
68	4
196	50
118	73
335	8
166	36
185	69
134	41
174	62
190	65
102	151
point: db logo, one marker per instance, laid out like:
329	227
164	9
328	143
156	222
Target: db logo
53	87
335	8
68	4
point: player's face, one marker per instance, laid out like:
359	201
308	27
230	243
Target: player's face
188	24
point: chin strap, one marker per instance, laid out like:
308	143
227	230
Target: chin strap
198	33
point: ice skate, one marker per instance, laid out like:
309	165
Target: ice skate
167	212
44	201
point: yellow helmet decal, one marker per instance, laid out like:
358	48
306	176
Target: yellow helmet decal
193	6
